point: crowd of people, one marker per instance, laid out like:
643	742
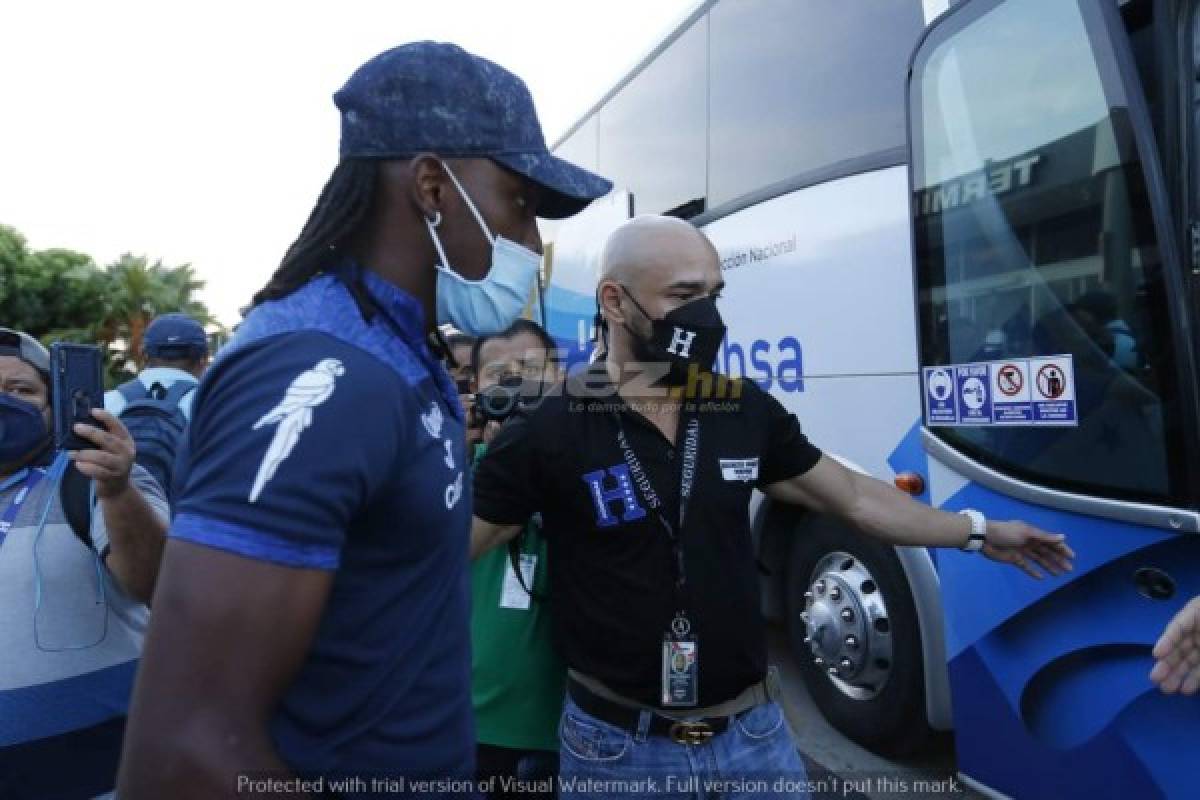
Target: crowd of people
362	554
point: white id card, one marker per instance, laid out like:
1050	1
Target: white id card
680	672
513	594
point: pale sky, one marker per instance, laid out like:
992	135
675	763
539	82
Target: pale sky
203	132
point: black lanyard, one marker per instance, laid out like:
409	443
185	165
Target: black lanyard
687	475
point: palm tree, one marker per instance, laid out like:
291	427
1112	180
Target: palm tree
137	292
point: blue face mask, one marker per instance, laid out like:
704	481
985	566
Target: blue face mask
22	429
487	306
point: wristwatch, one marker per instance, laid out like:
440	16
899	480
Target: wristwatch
978	530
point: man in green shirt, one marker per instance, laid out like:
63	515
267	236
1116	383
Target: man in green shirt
517	676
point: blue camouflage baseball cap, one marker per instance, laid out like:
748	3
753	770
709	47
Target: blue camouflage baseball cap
438	98
175	336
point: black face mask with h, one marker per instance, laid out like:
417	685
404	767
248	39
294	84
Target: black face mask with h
689	335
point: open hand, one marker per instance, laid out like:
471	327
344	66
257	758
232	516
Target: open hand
1027	548
110	463
1177	653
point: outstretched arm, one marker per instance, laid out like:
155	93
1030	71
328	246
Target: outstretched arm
892	516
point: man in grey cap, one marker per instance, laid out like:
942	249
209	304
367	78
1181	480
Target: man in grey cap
74	585
311	620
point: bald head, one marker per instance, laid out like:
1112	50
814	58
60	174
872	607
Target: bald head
652	246
651	266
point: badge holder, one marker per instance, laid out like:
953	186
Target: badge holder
680	665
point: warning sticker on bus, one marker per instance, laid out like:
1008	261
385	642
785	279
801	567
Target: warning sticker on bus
1031	392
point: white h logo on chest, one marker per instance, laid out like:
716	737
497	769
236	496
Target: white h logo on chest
681	343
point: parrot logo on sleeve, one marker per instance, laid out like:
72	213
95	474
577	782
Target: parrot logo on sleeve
293	415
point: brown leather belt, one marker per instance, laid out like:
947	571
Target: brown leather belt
684	731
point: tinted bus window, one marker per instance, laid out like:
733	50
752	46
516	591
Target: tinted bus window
1033	237
652	133
801	85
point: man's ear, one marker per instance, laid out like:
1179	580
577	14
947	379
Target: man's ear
428	184
608	298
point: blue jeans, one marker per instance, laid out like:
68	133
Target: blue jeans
754	757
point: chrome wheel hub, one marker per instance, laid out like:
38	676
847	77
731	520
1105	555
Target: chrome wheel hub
847	627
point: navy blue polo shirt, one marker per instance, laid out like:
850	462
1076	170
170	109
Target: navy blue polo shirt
326	440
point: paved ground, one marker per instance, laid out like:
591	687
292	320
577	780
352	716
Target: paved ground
839	768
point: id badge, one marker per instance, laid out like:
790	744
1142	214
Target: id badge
680	667
512	593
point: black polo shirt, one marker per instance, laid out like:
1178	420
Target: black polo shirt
611	568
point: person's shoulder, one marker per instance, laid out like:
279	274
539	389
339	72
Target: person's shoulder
324	306
730	394
745	387
302	350
293	368
551	407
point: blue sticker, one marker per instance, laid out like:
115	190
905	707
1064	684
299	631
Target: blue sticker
939	397
974	394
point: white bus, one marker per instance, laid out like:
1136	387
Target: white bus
904	195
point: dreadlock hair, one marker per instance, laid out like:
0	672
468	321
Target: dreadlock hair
340	210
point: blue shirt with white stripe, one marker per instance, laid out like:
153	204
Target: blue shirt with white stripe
330	439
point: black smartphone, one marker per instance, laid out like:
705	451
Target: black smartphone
77	386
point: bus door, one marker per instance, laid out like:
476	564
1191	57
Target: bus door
1051	308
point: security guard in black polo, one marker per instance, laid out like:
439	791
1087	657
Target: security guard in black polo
642	467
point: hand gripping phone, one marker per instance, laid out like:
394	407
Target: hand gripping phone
77	387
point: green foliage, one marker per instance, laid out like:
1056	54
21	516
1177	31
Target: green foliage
63	295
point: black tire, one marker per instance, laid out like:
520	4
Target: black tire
894	721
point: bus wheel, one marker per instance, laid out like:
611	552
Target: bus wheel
853	629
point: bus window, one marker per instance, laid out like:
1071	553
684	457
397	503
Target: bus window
652	134
797	86
1033	236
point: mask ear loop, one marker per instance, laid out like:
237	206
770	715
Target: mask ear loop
601	327
467	199
641	310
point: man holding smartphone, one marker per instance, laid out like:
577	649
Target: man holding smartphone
74	587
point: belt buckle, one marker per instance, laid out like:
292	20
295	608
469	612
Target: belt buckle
691	732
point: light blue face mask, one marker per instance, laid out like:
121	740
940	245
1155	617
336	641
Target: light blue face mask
487	306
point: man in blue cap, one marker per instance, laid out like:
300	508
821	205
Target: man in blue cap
157	404
311	619
175	347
